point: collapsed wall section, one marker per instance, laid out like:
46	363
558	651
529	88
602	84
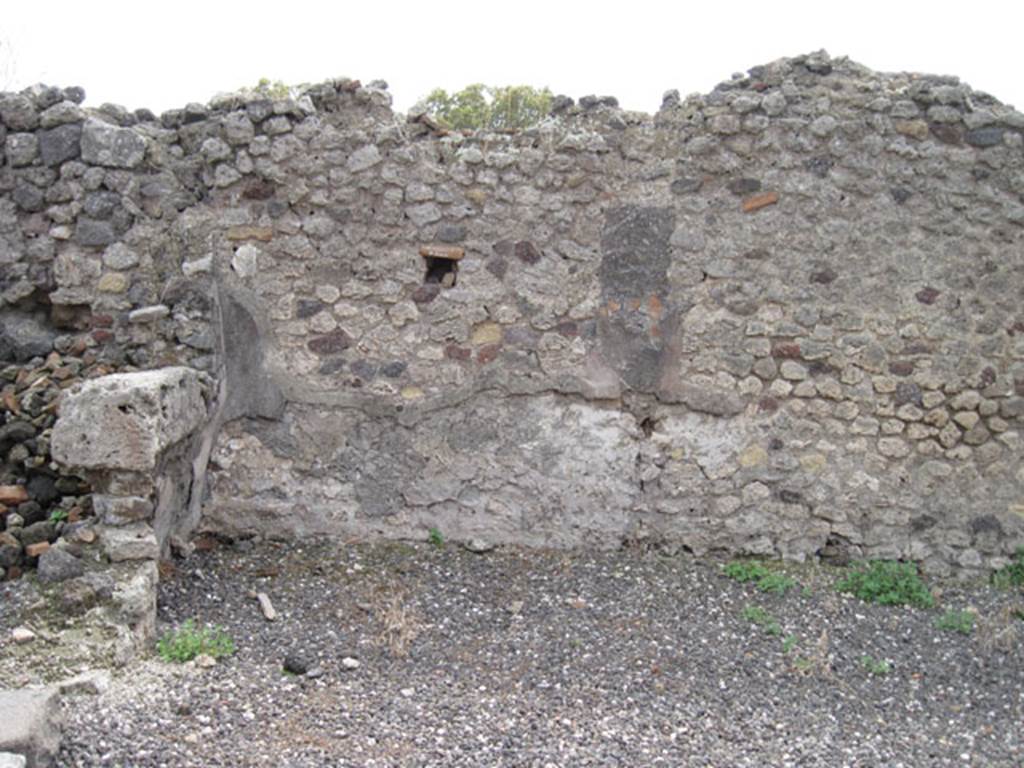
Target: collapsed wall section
783	318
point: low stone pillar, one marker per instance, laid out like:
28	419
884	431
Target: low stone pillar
135	437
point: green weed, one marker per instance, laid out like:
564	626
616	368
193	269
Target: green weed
878	667
755	614
187	642
763	578
956	621
789	643
58	514
435	537
1011	575
888	583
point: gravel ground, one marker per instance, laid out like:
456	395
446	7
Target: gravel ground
537	658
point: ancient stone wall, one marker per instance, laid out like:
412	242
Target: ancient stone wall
782	318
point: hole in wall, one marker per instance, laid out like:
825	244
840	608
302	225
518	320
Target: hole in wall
441	270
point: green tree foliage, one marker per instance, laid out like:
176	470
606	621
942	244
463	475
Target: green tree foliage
477	106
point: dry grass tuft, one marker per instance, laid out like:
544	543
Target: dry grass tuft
399	622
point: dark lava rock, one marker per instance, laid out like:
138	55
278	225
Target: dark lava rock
295	664
59	565
43	489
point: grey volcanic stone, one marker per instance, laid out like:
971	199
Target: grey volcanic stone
94	233
56	564
108	145
23	337
31	725
18	112
21	148
59	144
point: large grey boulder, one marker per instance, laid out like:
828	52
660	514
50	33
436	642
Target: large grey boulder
30	725
11	760
127	420
108	145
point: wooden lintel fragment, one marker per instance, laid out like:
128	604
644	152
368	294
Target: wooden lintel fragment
760	201
450	252
249	232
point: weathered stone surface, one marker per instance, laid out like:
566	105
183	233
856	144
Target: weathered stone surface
21	148
364	158
250	391
108	145
129	542
59	565
60	144
31	725
94	233
628	296
142	415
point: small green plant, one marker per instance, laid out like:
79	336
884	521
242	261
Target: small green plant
188	641
888	583
1011	575
755	614
789	643
804	664
435	537
877	667
956	621
58	514
763	578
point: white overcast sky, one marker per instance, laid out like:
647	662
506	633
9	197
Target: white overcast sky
164	54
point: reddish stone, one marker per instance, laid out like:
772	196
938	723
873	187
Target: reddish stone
11	402
787	351
946	133
455	352
569	329
1018	386
488	354
258	190
1016	328
768	405
102	336
13	573
205	543
35	550
101	321
450	252
426	293
12	495
757	202
331	343
927	295
527	252
901	367
248	232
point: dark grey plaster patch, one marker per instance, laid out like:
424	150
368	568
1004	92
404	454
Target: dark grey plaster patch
250	389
